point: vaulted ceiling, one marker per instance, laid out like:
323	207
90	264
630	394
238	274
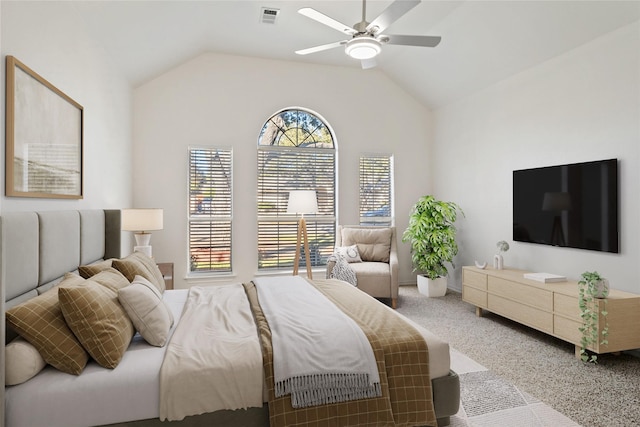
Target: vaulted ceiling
483	42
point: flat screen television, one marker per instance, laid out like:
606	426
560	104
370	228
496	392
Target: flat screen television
573	205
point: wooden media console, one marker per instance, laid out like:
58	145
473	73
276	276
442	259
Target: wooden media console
551	307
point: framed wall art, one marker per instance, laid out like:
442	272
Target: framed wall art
43	137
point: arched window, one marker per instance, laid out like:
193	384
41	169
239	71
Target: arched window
296	151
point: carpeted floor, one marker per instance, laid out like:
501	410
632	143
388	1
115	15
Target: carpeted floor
529	372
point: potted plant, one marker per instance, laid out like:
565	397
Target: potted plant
432	235
591	288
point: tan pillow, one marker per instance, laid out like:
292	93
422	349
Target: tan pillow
374	244
22	361
95	316
138	264
40	321
89	270
111	278
150	315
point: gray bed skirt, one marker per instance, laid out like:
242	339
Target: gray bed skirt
446	401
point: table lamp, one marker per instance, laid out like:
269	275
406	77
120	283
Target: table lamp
302	202
141	221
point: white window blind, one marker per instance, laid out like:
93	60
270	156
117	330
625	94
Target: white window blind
210	209
376	189
295	152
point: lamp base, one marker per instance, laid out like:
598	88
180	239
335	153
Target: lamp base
142	239
145	249
302	237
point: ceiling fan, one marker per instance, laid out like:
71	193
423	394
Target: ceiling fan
366	37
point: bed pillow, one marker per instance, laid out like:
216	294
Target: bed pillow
95	316
111	278
40	321
374	244
150	315
349	253
90	270
22	361
139	264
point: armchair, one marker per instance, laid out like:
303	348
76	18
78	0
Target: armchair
377	274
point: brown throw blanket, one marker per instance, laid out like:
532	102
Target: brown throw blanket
403	363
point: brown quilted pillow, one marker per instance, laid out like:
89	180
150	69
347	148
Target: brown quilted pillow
374	244
90	270
138	264
40	321
95	316
111	278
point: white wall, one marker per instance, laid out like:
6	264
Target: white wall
51	39
581	106
224	100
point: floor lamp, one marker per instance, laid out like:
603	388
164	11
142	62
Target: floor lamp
302	202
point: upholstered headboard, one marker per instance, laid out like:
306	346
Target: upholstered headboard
38	248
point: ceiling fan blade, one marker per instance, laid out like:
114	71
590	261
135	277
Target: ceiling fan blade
321	48
368	63
391	14
324	19
425	41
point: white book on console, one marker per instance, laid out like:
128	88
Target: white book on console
545	277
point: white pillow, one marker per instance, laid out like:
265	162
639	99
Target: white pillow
22	362
349	253
149	314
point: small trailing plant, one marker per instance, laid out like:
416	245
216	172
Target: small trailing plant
502	246
432	235
590	289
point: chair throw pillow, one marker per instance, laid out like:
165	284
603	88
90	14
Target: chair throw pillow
349	253
374	244
150	315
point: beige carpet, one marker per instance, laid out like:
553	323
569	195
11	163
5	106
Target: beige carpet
542	369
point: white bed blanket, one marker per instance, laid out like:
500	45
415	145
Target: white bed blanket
320	355
214	359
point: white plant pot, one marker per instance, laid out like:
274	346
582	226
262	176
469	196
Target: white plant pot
432	288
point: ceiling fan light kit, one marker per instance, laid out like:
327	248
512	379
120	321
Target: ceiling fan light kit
363	48
366	37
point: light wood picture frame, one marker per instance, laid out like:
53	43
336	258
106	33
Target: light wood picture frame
44	137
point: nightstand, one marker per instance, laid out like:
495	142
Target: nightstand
166	268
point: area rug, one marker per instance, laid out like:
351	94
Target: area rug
488	400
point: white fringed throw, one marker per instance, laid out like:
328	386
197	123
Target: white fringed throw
342	270
320	355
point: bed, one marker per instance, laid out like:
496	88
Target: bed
39	248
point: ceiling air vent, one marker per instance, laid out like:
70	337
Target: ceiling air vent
268	15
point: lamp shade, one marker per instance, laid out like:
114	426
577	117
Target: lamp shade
142	219
302	202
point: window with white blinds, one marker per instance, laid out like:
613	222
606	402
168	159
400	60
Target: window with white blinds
210	209
295	152
376	189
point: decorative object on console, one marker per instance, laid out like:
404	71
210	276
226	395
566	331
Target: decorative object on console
432	235
480	265
141	221
302	202
591	287
545	277
498	260
43	137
